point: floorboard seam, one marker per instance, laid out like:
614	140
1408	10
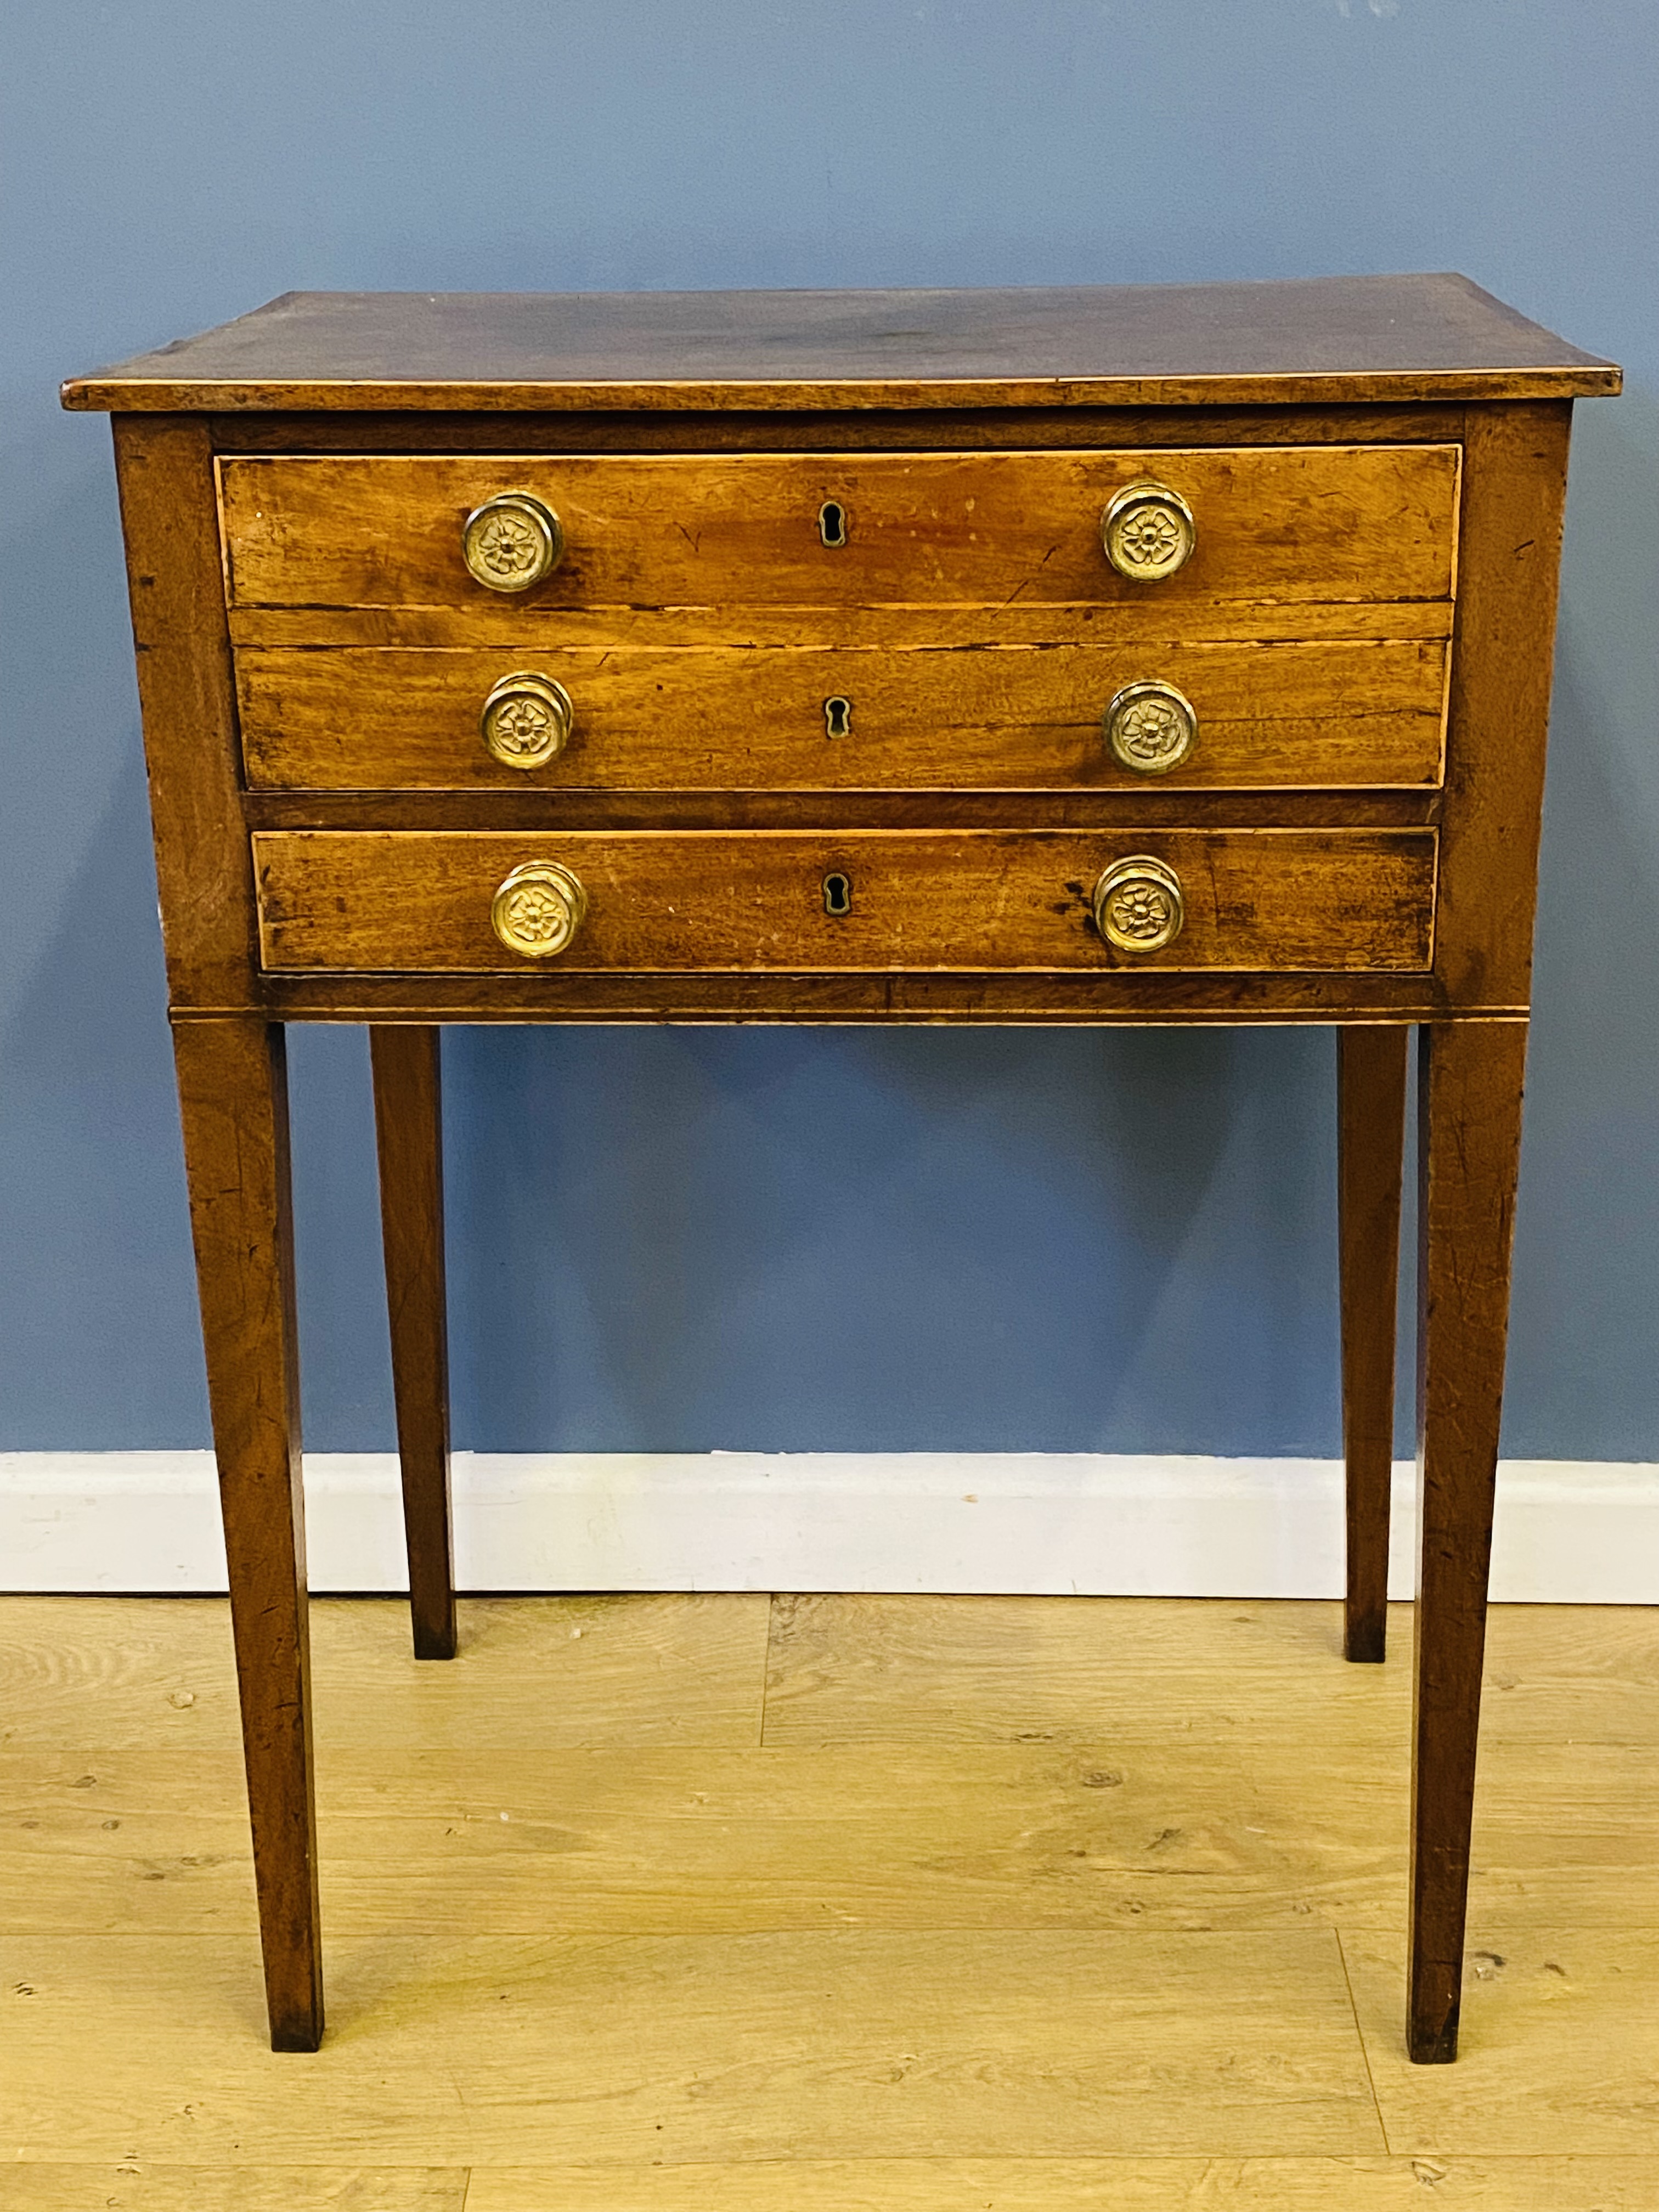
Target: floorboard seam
766	1666
1364	2053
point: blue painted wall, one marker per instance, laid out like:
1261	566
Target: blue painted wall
680	1240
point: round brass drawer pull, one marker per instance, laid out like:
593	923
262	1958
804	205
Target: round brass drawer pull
1148	532
1151	727
511	542
538	909
526	719
1138	905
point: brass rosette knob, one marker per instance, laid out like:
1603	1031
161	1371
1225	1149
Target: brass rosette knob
511	542
1148	532
1150	727
538	909
1137	904
526	719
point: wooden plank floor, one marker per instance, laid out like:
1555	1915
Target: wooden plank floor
831	1905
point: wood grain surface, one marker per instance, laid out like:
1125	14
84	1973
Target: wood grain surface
879	998
1055	426
233	1103
1556	2042
1149	2184
1371	1141
1150	806
941	1762
1514	488
1149	624
1178	1757
1559	2184
842	2043
1469	1094
1188	1833
865	1670
709	900
176	592
409	1140
132	2185
1323	523
1354	714
563	1673
1402	338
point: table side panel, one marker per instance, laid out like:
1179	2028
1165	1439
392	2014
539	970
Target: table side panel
165	470
1514	490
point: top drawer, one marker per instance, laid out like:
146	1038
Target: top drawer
1268	523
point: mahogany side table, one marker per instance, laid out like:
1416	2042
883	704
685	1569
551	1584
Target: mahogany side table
1153	654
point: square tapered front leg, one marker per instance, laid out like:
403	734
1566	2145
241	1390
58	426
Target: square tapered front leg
233	1097
1469	1144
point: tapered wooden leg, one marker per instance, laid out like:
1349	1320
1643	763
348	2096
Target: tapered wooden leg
1371	1093
233	1097
1469	1142
409	1125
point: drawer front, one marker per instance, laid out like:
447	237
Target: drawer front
1269	523
1368	714
802	901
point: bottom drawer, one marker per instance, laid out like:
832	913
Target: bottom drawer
796	901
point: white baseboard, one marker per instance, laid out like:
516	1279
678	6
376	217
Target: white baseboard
1568	1532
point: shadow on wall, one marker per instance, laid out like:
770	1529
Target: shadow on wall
96	1287
94	1258
898	1240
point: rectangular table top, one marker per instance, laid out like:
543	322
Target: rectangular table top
1322	340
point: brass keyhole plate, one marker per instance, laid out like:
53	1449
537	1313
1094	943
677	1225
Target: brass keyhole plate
832	522
837	717
837	893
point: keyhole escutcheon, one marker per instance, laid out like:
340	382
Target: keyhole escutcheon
837	893
832	523
837	717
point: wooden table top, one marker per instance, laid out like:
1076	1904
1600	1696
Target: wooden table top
1319	340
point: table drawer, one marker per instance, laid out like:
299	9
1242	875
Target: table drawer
1367	713
1294	522
800	901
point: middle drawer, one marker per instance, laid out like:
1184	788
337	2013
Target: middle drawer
1359	713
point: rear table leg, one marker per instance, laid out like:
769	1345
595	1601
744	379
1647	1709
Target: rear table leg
1370	1090
408	1122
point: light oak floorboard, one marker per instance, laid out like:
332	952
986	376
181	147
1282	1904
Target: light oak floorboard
1011	2185
673	1840
1036	1670
1025	1903
1560	2042
131	2187
537	1672
1209	2185
568	2049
